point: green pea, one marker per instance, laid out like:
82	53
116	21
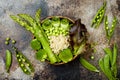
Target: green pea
6	42
22	65
19	60
107	67
18	55
92	57
7	39
23	60
8	60
13	41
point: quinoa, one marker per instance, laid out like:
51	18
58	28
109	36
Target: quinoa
58	43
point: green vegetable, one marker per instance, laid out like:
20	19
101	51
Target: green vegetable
99	16
24	63
22	23
114	66
8	60
87	65
92	57
6	42
35	44
46	25
55	21
13	41
66	55
37	16
110	30
41	55
65	24
109	52
37	31
80	49
107	67
7	39
108	63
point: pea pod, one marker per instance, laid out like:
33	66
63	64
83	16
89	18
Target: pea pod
99	16
87	65
107	67
109	52
24	63
114	66
8	60
110	30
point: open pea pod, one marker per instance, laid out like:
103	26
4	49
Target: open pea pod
66	55
99	16
24	63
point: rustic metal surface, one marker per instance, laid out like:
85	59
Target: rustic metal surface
84	9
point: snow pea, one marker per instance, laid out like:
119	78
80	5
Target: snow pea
24	63
87	65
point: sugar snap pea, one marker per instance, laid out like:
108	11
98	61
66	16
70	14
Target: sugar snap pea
8	60
99	16
87	65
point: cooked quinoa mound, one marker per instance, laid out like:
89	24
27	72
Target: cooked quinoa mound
58	43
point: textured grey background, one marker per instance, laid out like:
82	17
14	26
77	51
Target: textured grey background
84	9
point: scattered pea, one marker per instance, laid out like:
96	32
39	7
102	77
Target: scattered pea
6	42
17	55
7	39
13	41
92	57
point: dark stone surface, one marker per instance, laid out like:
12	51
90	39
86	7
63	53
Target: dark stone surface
84	9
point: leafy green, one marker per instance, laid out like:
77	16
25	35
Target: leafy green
66	55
